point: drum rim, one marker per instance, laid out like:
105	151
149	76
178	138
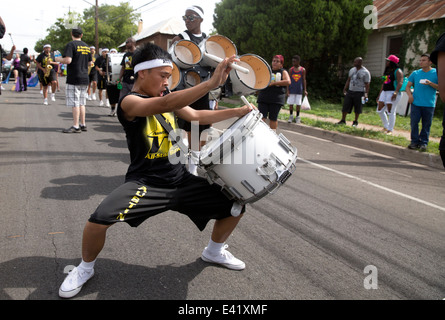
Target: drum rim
209	39
175	71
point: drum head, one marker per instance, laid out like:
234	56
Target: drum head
259	76
220	46
215	150
192	78
187	52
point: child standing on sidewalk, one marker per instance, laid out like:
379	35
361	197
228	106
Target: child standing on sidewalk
296	89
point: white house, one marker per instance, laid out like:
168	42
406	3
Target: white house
386	37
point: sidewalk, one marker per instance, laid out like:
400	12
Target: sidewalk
428	159
403	133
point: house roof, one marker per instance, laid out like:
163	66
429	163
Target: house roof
171	26
393	13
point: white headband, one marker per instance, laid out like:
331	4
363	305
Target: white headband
197	10
150	64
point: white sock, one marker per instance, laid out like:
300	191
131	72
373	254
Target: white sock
88	266
214	248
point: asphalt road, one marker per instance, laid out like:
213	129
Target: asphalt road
349	223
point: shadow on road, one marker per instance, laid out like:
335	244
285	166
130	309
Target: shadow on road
39	278
81	187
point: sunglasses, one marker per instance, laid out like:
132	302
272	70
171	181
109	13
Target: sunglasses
191	18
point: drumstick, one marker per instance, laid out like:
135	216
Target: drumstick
232	65
243	98
11	39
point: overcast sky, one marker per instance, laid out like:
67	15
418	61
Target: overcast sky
27	20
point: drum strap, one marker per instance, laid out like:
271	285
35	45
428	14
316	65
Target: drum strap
185	35
171	132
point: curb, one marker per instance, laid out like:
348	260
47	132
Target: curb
424	158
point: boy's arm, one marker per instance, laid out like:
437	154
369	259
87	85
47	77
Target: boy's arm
134	106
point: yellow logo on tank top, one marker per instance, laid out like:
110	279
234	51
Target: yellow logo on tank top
159	146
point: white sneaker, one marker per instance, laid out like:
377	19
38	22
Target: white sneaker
89	98
45	102
224	258
74	281
53	97
93	97
291	118
101	103
108	103
298	120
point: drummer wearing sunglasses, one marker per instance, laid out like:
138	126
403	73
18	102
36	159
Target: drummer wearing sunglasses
193	18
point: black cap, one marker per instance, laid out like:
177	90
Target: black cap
77	30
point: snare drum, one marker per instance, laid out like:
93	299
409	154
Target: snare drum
249	160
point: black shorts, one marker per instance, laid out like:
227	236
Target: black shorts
353	99
271	109
134	202
45	81
113	93
92	76
101	83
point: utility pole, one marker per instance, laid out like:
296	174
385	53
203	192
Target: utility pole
96	25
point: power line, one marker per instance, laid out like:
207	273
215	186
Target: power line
126	14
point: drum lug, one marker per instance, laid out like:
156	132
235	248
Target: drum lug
266	170
285	143
232	193
248	186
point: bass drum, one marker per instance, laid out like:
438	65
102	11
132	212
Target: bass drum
249	160
115	65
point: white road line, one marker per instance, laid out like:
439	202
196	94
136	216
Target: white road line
365	181
400	174
374	185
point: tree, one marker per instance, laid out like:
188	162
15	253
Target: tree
322	32
414	35
59	34
115	24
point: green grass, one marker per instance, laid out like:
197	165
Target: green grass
369	116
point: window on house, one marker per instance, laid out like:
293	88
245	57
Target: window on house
394	45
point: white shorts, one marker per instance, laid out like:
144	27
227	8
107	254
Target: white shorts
76	95
386	96
294	99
